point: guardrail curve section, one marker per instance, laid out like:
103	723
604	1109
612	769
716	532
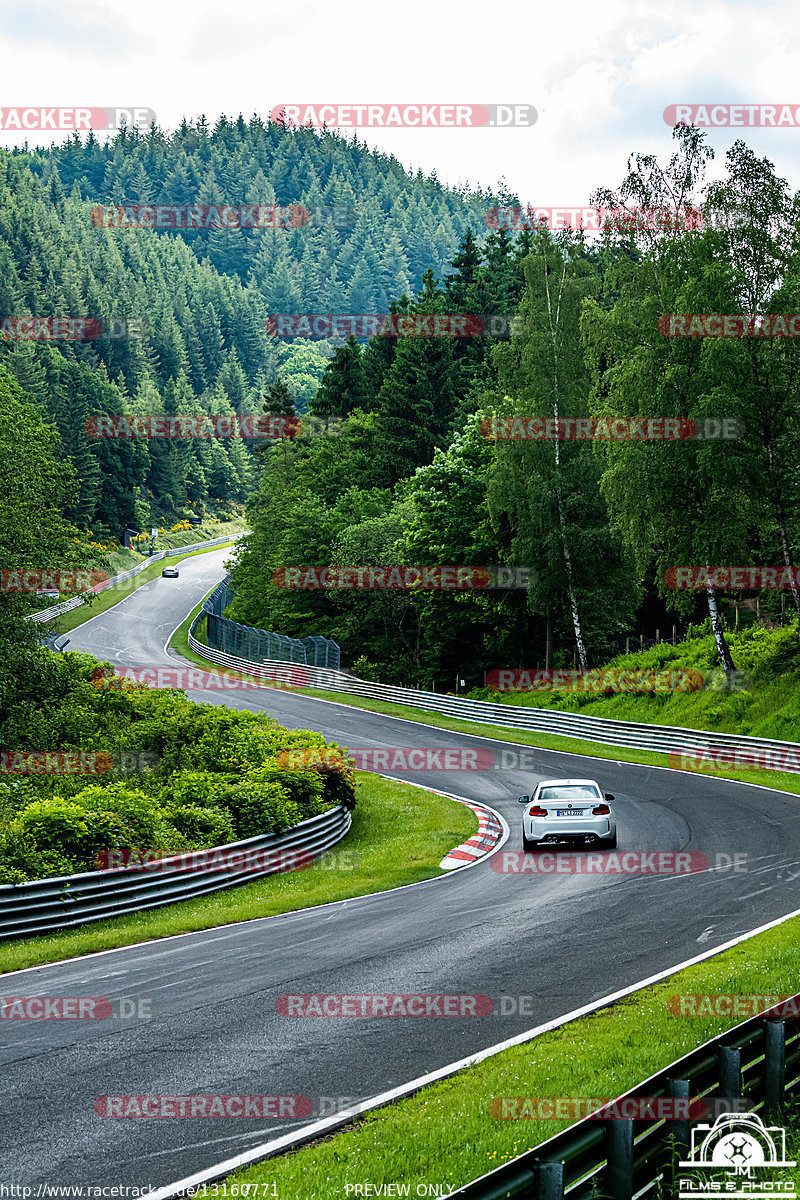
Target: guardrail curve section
55	610
45	905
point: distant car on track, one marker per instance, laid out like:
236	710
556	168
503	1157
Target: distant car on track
170	573
568	810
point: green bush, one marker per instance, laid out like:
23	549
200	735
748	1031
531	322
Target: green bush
200	788
201	826
263	806
218	779
56	825
141	816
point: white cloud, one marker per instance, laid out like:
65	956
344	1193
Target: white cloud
600	75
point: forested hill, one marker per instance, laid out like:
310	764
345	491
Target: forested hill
203	296
402	224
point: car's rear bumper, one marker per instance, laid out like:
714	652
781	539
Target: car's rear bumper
569	831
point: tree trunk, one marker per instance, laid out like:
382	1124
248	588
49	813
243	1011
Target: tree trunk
787	559
716	626
573	600
784	534
548	643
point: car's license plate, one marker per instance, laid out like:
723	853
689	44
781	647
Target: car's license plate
569	812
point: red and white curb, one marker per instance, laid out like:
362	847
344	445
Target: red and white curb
490	831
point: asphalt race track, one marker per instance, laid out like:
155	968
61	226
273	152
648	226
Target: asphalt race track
562	940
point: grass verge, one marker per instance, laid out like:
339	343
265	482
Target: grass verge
446	1135
376	855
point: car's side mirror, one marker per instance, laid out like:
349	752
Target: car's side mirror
524	799
609	797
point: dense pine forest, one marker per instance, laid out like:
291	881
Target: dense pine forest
202	297
405	472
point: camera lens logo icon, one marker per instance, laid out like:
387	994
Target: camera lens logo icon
738	1143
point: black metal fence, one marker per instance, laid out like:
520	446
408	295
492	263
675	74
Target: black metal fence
259	645
758	1062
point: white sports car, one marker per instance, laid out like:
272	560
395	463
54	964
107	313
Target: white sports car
568	810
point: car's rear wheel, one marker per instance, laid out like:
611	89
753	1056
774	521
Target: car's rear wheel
527	845
612	844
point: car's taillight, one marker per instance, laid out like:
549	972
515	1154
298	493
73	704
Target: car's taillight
602	810
536	810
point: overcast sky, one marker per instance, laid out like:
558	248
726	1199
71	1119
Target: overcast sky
599	74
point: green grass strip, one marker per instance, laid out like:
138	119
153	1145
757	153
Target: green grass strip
445	1135
376	855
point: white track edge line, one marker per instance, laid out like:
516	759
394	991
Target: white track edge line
269	1149
294	912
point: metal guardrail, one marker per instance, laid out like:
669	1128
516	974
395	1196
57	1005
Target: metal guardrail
45	905
56	610
757	1061
662	739
54	641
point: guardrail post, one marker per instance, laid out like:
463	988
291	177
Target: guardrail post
550	1181
774	1066
730	1072
619	1172
679	1090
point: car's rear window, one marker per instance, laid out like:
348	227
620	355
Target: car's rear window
570	792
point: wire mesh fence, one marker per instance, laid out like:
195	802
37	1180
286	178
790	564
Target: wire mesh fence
260	645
